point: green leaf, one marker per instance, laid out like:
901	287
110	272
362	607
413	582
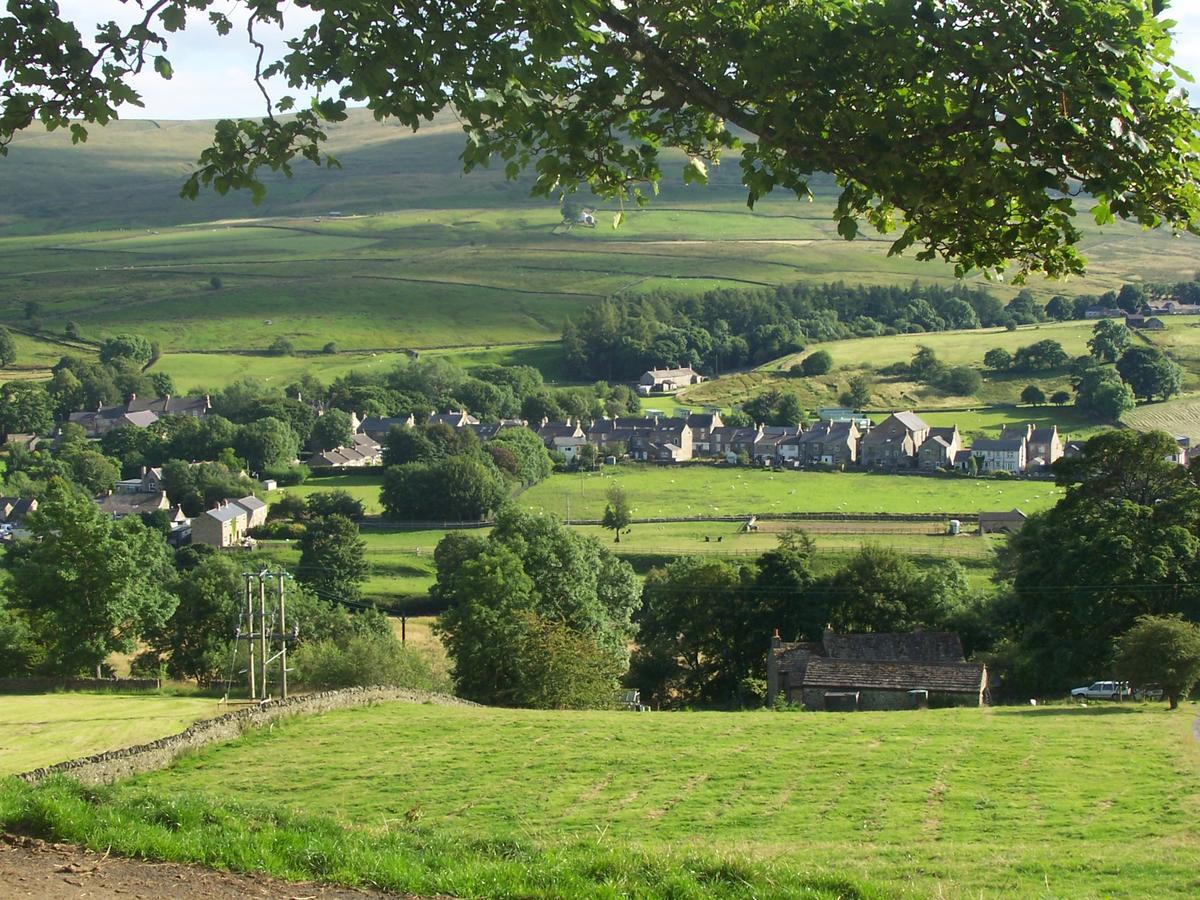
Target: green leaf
163	67
847	227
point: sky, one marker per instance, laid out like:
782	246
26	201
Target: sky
213	75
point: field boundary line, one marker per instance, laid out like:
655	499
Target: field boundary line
113	765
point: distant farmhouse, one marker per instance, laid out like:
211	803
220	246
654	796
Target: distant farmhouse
665	381
846	672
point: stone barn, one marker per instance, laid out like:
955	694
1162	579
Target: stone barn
880	671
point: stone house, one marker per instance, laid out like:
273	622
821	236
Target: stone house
703	425
768	447
256	511
150	481
222	526
826	443
364	451
548	431
1001	455
940	449
377	427
140	413
875	671
669	440
14	510
730	441
894	442
1044	447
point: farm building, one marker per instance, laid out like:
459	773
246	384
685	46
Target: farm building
661	381
1001	522
844	672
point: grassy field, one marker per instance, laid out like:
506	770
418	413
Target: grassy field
700	490
1180	417
466	266
42	729
869	355
1099	802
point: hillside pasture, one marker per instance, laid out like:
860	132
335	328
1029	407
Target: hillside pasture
43	729
993	802
1175	417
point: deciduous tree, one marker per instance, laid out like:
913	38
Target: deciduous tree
91	586
996	120
1162	650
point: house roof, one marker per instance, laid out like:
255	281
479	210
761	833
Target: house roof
226	513
890	675
128	504
668	374
251	503
911	421
1013	515
915	646
1044	435
946	433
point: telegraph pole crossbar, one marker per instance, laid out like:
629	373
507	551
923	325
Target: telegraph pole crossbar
262	636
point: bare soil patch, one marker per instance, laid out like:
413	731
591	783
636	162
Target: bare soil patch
33	868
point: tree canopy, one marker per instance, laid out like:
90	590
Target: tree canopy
967	126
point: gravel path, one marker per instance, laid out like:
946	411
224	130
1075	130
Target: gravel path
33	868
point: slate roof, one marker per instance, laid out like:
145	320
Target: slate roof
226	513
127	504
823	672
251	503
916	646
911	421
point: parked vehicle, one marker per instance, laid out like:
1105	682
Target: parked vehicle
1148	692
1104	690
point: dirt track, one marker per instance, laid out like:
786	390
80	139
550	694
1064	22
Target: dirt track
32	868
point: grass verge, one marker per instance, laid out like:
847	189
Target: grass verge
246	838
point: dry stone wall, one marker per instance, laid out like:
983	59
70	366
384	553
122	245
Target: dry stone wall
113	765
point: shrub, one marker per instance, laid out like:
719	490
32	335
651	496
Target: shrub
281	346
363	660
287	475
818	363
330	347
278	530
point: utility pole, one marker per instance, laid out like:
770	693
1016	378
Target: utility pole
262	629
250	635
283	642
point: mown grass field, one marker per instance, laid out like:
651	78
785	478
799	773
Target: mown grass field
701	490
43	729
1062	802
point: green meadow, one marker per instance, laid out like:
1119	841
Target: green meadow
43	729
1057	801
705	490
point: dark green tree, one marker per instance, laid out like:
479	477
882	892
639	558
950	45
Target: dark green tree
267	442
131	347
8	348
1121	544
1149	373
1101	393
25	408
998	359
90	586
329	503
1033	395
533	462
1109	340
333	558
332	429
1162	650
817	363
858	392
618	513
529	566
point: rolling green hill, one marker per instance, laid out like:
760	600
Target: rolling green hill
421	256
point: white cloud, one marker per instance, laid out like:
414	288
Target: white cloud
213	75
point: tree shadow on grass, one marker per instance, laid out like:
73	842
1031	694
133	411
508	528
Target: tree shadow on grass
1078	710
